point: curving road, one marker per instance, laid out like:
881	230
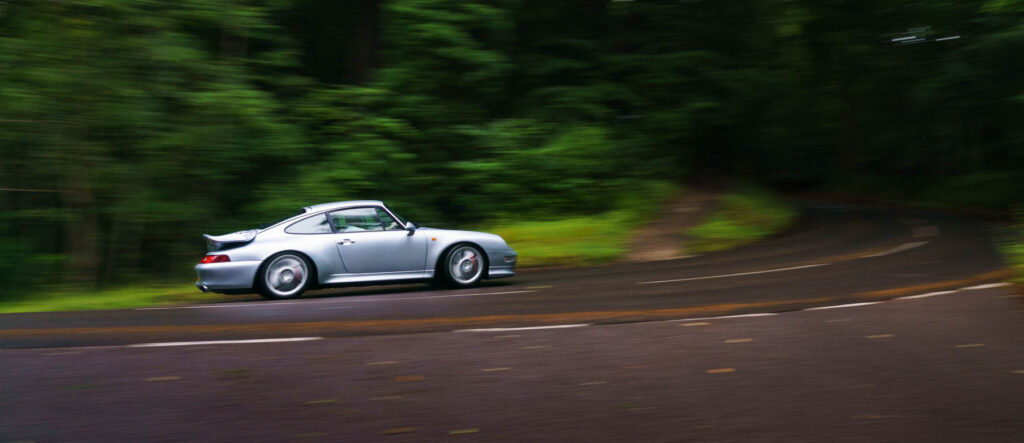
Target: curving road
860	325
839	255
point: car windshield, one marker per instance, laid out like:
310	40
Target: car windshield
399	217
267	225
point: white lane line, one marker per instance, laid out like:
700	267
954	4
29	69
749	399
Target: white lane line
364	300
851	305
988	286
930	294
222	342
739	274
529	328
925	231
900	248
759	314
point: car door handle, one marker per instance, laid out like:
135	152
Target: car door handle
346	242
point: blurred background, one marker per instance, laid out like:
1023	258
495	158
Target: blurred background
128	128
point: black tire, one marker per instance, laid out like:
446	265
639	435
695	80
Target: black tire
462	266
283	276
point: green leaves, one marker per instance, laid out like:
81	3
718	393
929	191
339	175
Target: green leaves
157	121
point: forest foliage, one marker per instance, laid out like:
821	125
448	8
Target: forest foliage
130	127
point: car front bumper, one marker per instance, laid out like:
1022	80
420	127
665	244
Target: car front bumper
502	263
218	277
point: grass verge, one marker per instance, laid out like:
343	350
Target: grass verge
579	240
584	240
1010	242
742	217
1014	254
113	298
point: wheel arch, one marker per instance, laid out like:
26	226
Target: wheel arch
314	278
447	249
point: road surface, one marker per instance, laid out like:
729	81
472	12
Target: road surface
859	325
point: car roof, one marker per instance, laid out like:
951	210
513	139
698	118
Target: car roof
344	204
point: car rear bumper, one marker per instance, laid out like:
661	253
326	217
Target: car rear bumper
502	263
226	276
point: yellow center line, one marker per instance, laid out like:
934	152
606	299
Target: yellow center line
533	319
463	431
987	277
559	318
739	340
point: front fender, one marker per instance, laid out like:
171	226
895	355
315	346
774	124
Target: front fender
493	246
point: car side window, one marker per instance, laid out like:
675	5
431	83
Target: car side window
316	224
388	221
355	220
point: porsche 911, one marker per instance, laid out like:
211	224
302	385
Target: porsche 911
350	242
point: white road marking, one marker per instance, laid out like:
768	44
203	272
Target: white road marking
851	305
760	314
930	294
738	274
900	248
529	328
437	296
925	231
222	342
988	286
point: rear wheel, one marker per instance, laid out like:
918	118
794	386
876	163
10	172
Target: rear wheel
285	275
463	266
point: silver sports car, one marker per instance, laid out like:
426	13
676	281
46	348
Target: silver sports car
348	242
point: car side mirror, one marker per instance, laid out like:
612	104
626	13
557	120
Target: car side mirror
410	227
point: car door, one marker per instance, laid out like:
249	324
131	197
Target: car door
370	241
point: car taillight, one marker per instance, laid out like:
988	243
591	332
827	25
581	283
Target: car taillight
214	259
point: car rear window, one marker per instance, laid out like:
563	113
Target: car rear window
316	224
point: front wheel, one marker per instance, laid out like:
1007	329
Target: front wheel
463	266
284	275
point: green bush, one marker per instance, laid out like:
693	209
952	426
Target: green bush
1011	244
584	240
742	217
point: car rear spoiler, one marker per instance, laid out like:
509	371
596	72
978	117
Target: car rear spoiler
234	239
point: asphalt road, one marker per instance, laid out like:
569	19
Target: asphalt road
921	342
